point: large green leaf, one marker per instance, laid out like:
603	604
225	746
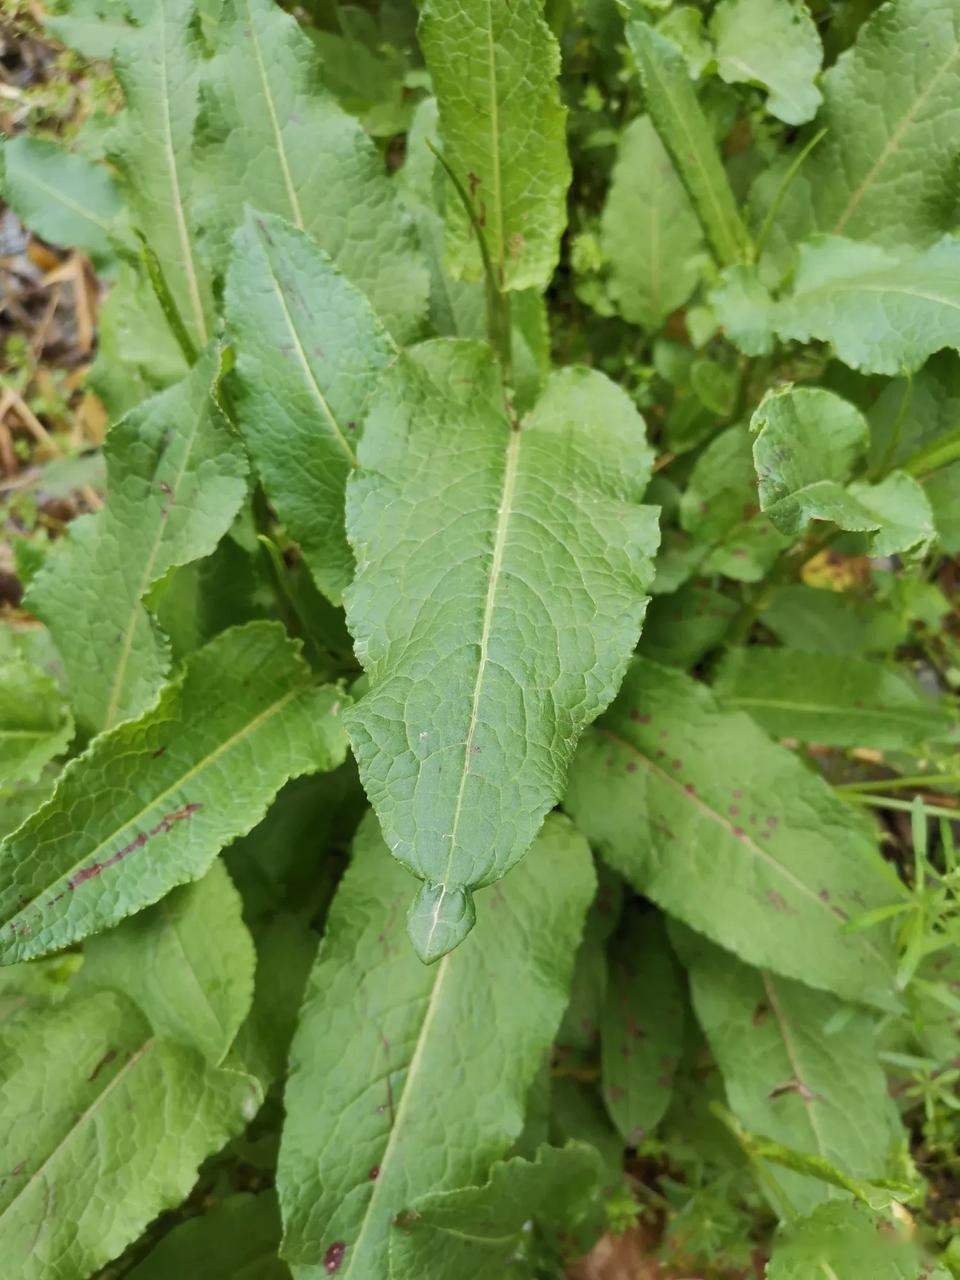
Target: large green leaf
176	478
157	65
493	621
799	1066
64	198
840	699
494	67
272	137
885	170
672	103
187	962
732	834
822	621
35	725
103	1127
485	1232
152	802
238	1239
642	1027
393	1091
845	1242
309	351
773	43
651	235
883	312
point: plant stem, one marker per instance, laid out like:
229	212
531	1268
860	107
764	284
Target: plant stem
888	802
785	182
900	784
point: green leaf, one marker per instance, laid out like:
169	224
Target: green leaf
579	1033
393	1093
92	1157
914	424
839	699
192	774
270	136
846	1242
484	1232
882	312
672	103
773	43
742	307
642	1027
309	351
807	445
719	509
236	1240
732	834
885	171
492	623
176	478
650	233
808	442
158	69
187	963
35	724
64	198
681	628
823	621
494	67
799	1066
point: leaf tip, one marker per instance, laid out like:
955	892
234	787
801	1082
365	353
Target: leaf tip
439	919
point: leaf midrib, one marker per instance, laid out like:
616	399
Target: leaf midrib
156	801
905	715
117	684
274	122
111	1084
309	375
495	143
413	1073
193	287
793	1057
731	249
54	194
892	145
504	512
762	854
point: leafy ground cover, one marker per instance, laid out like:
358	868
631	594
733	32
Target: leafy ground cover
480	656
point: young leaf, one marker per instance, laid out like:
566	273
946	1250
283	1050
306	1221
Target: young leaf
884	171
35	725
883	312
309	351
237	1239
176	478
64	198
271	136
483	1232
92	1157
651	235
842	700
152	802
672	103
476	595
732	834
808	442
846	1241
642	1028
187	963
494	67
158	68
773	43
799	1066
392	1092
